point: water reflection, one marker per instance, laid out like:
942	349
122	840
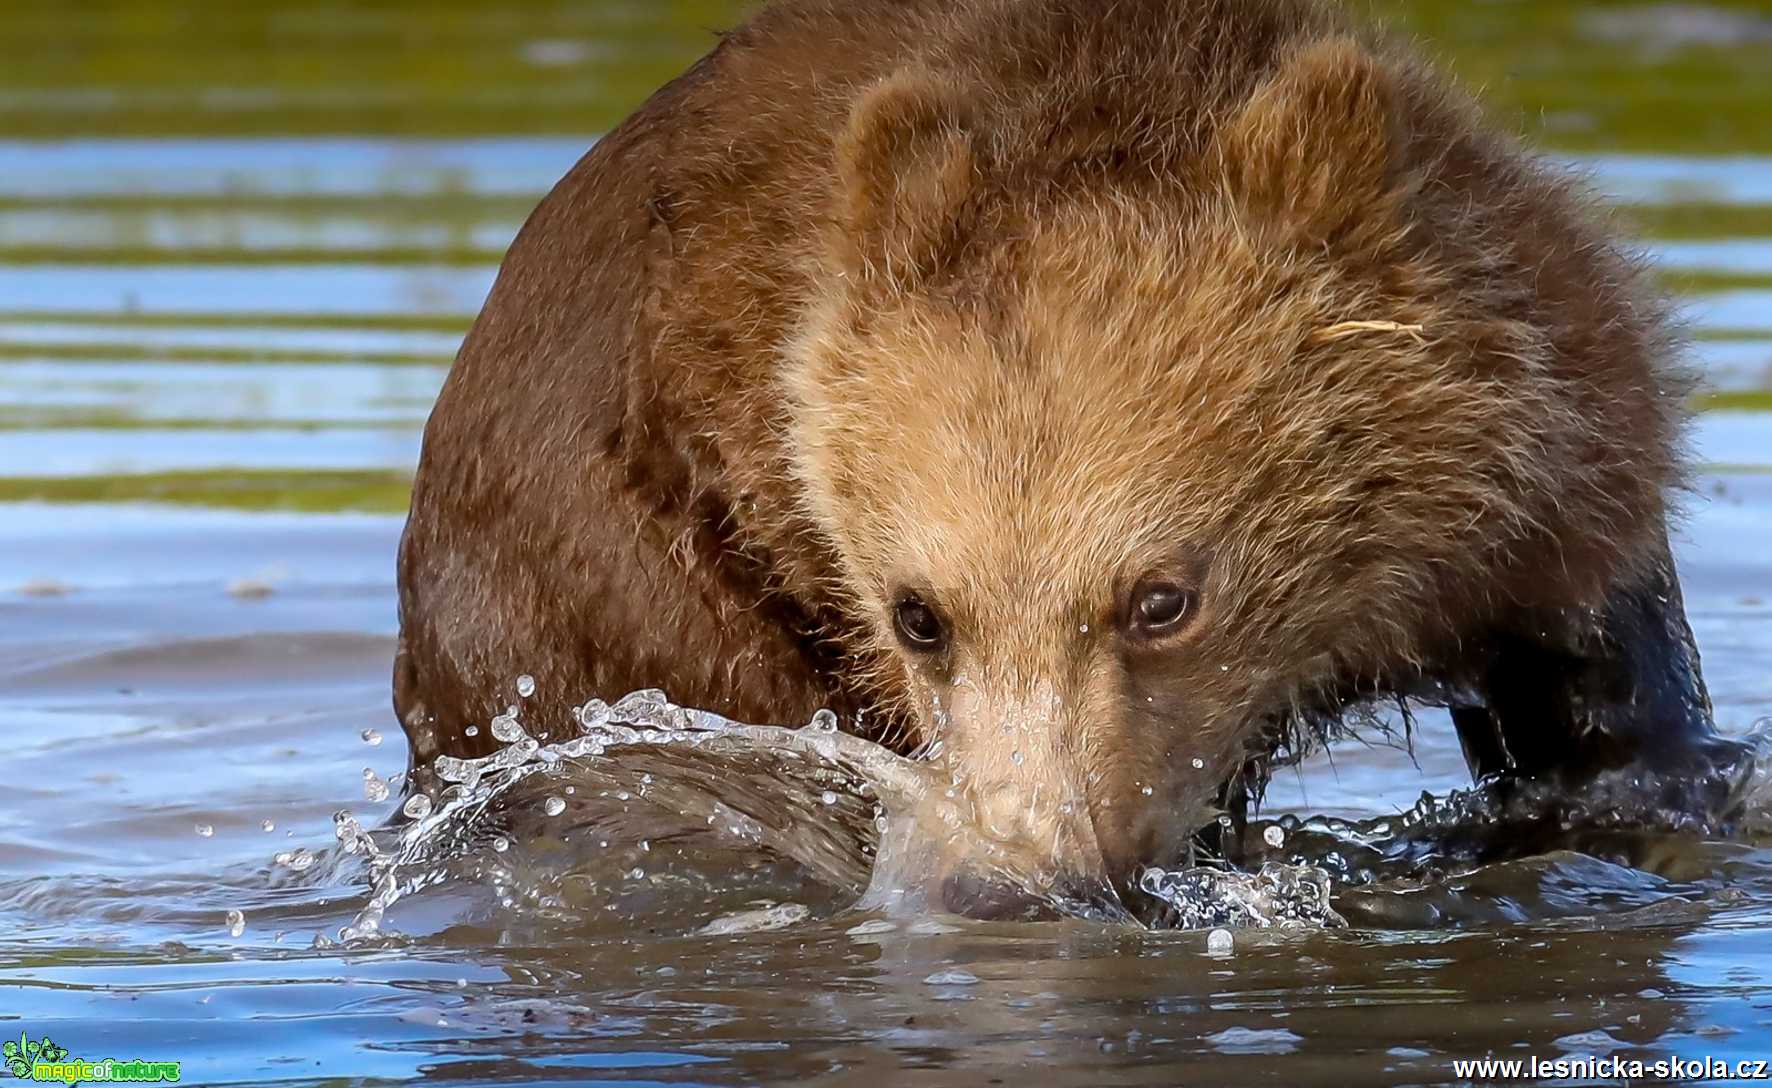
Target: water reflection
236	235
238	169
264	289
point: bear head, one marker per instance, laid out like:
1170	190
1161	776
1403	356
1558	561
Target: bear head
1141	445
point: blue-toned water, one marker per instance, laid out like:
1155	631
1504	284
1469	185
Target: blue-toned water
220	331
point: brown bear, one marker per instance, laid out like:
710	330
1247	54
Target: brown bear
1107	395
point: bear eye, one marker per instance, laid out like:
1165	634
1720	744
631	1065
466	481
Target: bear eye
1160	607
918	625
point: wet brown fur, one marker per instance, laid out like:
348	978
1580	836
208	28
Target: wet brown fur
1014	303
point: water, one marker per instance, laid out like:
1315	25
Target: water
231	282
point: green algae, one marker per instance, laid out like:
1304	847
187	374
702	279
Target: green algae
1551	71
1708	281
1699	220
56	419
217	68
106	352
335	491
1735	400
125	255
455	208
214	67
163	319
1724	334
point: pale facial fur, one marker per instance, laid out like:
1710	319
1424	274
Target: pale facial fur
1024	481
1202	383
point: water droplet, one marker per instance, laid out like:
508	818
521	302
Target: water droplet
371	737
268	825
501	844
298	859
1224	822
236	923
1017	758
829	798
418	806
1199	764
554	806
525	685
1220	942
1084	629
953	976
471	731
374	789
1274	836
505	728
825	721
1147	791
622	795
205	830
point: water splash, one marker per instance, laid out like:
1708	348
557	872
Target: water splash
849	815
706	758
1276	896
1756	806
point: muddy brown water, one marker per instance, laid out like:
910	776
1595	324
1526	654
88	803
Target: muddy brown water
238	245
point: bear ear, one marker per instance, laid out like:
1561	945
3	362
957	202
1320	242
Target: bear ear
906	164
1313	148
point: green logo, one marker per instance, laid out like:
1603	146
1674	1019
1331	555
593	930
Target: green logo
24	1054
45	1061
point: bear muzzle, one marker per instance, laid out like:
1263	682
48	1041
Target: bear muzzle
1009	831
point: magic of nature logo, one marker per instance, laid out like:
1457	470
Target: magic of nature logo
43	1060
